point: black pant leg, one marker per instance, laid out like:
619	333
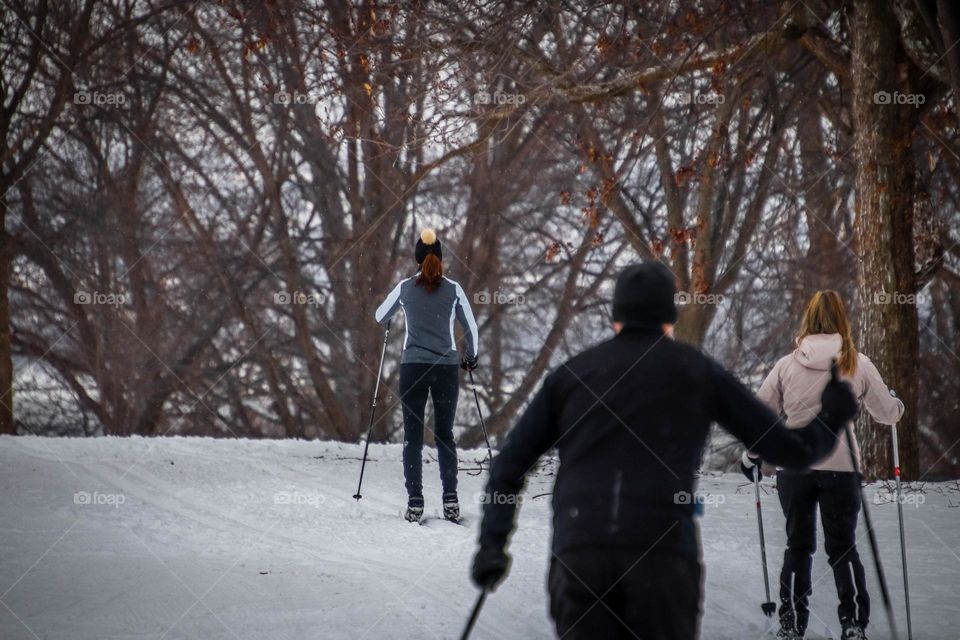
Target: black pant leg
578	579
445	390
839	506
658	596
414	388
798	498
625	593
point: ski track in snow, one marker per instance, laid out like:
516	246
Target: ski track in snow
239	539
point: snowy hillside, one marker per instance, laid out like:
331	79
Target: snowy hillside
197	538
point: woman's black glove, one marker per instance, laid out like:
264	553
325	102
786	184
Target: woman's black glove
490	566
469	363
749	464
837	402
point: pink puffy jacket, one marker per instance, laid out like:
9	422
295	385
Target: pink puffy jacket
794	386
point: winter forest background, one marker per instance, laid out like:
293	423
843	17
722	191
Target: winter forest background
204	202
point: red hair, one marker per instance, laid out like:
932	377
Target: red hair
431	271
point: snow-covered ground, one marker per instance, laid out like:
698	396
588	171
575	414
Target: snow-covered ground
197	538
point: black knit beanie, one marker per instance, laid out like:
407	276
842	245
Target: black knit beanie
644	296
428	242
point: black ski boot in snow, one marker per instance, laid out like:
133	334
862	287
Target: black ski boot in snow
788	626
414	510
451	507
788	623
852	631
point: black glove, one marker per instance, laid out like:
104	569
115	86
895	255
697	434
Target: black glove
469	363
837	402
490	566
749	464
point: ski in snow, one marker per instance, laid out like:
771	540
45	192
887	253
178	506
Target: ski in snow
435	518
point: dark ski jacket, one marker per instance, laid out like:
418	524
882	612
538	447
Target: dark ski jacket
629	418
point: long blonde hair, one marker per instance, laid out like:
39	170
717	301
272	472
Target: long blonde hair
825	314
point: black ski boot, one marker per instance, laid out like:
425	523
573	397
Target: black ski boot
451	507
852	631
414	509
788	626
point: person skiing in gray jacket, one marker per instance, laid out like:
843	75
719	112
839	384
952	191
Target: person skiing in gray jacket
792	389
431	304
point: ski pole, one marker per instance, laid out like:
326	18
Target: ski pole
373	409
474	614
767	607
903	542
870	533
483	426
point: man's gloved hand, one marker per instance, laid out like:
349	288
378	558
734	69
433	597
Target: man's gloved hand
469	363
837	401
490	566
749	464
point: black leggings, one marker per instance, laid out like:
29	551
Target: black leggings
838	495
441	382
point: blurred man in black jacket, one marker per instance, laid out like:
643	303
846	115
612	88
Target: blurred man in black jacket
629	418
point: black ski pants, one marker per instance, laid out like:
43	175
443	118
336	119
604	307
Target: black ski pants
629	593
441	382
838	495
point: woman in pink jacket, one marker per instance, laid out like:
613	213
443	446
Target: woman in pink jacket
793	389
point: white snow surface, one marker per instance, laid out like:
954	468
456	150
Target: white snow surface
200	538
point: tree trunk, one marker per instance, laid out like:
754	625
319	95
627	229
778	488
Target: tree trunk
6	361
826	256
884	228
